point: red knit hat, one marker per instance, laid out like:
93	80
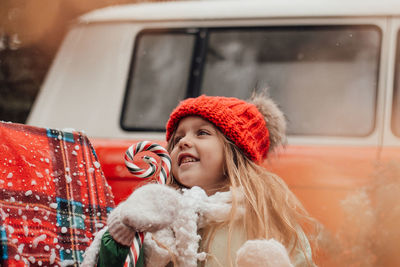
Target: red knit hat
238	120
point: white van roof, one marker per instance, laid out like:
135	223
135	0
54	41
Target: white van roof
229	9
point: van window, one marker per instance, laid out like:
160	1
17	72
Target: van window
396	92
158	79
323	77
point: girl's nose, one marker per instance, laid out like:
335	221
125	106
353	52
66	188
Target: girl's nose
185	142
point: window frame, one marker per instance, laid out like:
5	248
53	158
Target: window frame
194	83
396	87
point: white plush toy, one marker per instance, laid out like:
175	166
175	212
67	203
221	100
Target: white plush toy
265	253
172	219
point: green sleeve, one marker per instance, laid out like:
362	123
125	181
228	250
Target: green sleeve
114	254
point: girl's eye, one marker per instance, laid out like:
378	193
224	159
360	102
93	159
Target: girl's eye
203	132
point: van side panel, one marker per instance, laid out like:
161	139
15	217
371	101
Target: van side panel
321	177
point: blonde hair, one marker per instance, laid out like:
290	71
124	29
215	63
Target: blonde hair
271	209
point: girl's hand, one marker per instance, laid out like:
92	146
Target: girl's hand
148	209
262	253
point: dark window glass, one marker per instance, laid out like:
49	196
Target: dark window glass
324	78
158	79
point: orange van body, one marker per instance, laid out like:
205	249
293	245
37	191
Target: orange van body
331	186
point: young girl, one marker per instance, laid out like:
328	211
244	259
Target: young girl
241	214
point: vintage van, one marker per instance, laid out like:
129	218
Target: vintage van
332	66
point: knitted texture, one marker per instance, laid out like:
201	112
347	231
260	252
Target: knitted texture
121	232
148	209
238	120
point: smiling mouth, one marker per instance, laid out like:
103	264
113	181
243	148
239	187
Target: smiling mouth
187	159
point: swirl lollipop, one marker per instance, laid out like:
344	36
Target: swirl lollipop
146	173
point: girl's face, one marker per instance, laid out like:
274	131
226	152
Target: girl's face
197	156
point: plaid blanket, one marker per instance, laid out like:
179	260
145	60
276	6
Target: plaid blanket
53	196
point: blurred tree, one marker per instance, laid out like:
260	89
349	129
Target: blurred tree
30	33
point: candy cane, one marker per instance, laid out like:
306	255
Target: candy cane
146	173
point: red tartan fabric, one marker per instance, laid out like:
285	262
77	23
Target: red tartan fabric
53	196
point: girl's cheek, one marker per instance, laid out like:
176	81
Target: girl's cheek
173	156
174	160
